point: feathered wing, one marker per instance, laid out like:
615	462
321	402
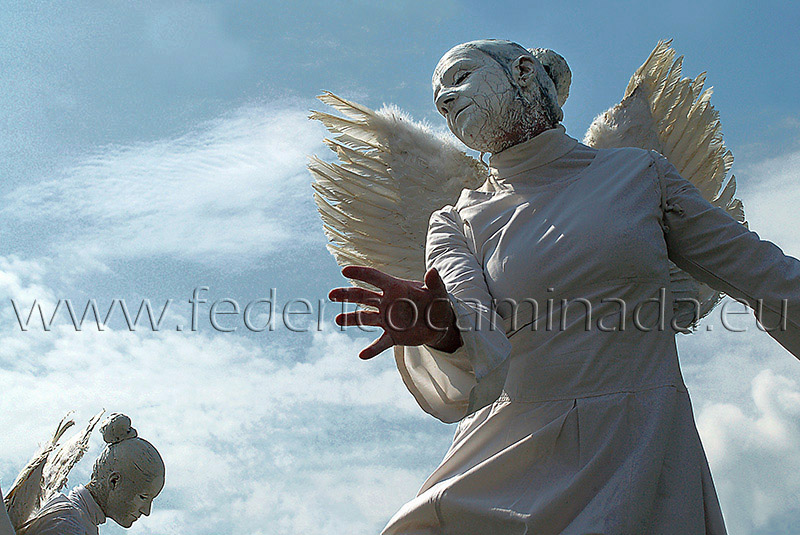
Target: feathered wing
674	116
24	498
392	173
60	462
47	471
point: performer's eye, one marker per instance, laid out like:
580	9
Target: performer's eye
460	77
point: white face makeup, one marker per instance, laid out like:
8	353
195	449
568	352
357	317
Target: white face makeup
473	93
480	103
131	497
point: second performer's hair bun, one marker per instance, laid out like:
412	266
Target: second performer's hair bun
117	428
557	69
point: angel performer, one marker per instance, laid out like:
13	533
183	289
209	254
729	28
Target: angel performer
539	324
126	478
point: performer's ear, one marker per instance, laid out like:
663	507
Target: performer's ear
113	480
523	70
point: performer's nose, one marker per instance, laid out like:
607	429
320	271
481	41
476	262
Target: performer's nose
445	101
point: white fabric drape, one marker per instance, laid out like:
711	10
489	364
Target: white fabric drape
73	514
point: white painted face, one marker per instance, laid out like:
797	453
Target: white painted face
131	496
482	105
474	94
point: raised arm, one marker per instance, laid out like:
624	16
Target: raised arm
449	346
707	243
452	385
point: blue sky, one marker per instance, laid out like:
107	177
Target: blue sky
152	148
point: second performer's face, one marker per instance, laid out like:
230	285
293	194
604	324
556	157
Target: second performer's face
130	497
476	97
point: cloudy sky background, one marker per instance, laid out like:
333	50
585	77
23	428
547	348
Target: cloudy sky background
152	149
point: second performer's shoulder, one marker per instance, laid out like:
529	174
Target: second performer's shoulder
59	516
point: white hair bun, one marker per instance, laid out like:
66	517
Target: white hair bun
558	70
117	428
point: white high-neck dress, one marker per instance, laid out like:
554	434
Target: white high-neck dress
574	417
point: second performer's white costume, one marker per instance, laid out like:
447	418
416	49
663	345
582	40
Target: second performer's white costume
74	514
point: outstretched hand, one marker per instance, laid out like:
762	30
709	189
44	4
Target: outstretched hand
411	313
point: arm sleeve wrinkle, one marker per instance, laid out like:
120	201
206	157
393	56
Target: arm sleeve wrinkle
452	385
714	248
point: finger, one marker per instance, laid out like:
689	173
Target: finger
369	275
359	318
434	282
377	347
354	295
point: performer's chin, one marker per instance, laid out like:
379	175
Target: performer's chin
128	521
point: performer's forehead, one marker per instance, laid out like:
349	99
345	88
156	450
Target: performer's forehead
457	53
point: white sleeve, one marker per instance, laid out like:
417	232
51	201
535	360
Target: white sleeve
450	386
714	248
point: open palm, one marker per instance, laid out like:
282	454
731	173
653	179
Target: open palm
411	313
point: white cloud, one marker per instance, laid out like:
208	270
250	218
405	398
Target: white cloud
744	385
754	454
22	280
234	190
770	191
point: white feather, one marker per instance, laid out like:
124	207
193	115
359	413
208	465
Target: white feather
673	115
47	471
392	174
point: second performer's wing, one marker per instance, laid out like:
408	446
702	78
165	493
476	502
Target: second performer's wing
673	115
47	472
67	455
392	173
25	496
